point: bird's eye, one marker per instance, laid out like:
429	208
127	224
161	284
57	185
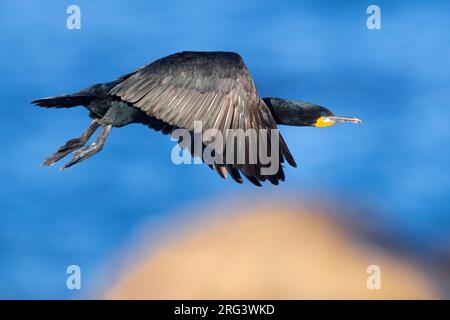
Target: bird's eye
323	114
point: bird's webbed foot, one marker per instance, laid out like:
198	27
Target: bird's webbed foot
90	150
72	144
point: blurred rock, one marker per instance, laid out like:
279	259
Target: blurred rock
269	252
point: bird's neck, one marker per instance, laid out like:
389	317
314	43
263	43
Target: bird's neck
289	112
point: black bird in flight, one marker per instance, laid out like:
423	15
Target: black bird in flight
173	92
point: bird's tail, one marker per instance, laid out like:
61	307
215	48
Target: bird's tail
65	101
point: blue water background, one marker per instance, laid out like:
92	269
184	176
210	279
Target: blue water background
396	79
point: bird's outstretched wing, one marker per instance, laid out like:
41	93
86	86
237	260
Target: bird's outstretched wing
215	88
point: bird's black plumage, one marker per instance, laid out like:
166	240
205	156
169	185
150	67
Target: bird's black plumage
215	88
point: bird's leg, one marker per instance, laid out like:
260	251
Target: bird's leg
72	144
89	151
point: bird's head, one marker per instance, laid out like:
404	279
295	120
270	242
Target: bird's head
301	113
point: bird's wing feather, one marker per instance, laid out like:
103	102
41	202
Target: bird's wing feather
214	88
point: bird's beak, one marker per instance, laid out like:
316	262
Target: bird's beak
345	119
329	121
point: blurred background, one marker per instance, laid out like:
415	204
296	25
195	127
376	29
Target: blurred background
140	227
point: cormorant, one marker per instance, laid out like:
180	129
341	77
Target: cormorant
173	92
